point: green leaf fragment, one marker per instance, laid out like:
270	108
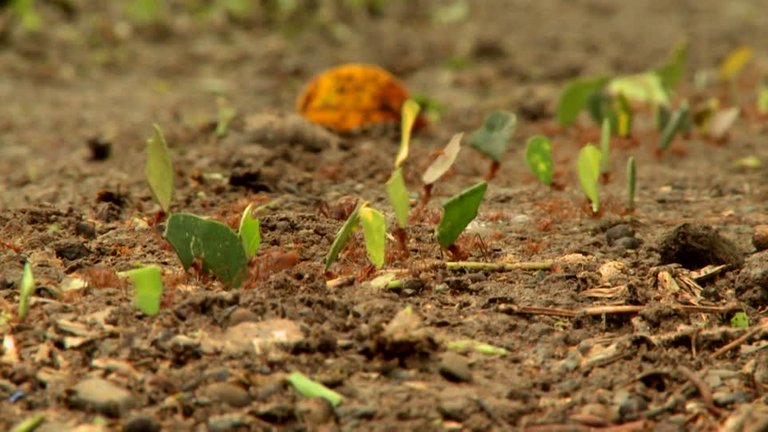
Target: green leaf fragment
398	197
249	232
751	162
673	70
342	237
458	212
148	288
29	424
589	173
159	169
313	389
27	14
605	146
675	124
214	243
740	320
538	155
575	97
631	182
226	113
492	137
762	97
375	231
466	345
27	289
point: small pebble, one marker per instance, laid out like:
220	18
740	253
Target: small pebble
617	232
454	367
760	237
141	423
241	315
85	229
628	243
228	393
228	423
101	396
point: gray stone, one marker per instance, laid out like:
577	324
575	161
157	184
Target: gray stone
628	243
455	405
228	422
752	281
630	404
454	367
241	315
101	396
141	423
231	394
617	232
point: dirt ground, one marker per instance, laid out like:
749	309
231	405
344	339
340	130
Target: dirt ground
624	332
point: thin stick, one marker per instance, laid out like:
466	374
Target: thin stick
608	310
703	388
476	265
740	340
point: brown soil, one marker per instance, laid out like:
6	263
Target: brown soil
611	336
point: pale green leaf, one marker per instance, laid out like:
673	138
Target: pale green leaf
313	389
27	289
751	162
492	137
148	288
538	155
467	345
159	169
646	88
214	243
375	232
458	212
589	173
249	232
398	197
443	161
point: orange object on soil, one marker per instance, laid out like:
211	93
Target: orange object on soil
351	96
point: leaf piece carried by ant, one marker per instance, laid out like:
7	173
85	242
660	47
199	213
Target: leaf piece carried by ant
375	231
342	237
538	155
458	212
159	169
218	247
589	173
351	96
398	197
492	137
148	288
443	161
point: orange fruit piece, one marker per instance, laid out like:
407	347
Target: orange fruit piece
351	96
